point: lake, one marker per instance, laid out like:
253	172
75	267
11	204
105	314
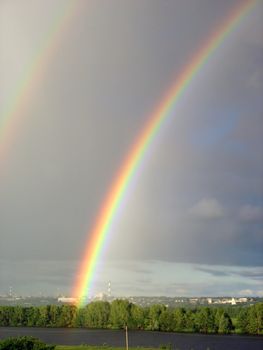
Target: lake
69	336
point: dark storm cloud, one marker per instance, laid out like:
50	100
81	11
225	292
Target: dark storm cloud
182	239
257	275
213	272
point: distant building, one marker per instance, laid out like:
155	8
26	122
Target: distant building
242	300
193	300
67	300
233	301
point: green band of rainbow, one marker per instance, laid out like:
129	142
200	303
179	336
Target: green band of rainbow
117	191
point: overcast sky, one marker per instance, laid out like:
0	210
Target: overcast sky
192	224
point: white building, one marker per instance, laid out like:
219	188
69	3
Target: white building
67	300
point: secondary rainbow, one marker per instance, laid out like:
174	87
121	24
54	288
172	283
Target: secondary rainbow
117	191
11	115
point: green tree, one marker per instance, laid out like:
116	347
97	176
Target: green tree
242	320
97	314
43	319
255	319
225	324
189	321
259	317
137	317
54	312
18	316
6	315
29	316
120	314
204	320
166	320
217	316
80	317
155	312
179	320
67	317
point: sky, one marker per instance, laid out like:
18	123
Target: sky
192	222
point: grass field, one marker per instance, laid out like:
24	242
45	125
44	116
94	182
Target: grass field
88	347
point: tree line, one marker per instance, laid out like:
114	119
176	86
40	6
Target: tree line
119	313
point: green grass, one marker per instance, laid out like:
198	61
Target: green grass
89	347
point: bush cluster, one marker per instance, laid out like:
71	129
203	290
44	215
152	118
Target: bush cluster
24	343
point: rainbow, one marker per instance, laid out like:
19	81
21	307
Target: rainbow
120	185
23	93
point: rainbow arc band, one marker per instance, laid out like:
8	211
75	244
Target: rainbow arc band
135	156
23	93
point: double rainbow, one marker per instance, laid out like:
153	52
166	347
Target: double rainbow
118	189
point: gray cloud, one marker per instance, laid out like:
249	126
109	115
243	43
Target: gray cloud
43	276
207	208
113	65
251	213
256	80
256	274
213	272
251	274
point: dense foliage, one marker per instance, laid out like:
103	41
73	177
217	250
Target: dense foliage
119	313
24	343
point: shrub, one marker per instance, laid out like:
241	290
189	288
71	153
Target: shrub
24	343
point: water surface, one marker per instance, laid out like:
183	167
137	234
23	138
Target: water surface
75	336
